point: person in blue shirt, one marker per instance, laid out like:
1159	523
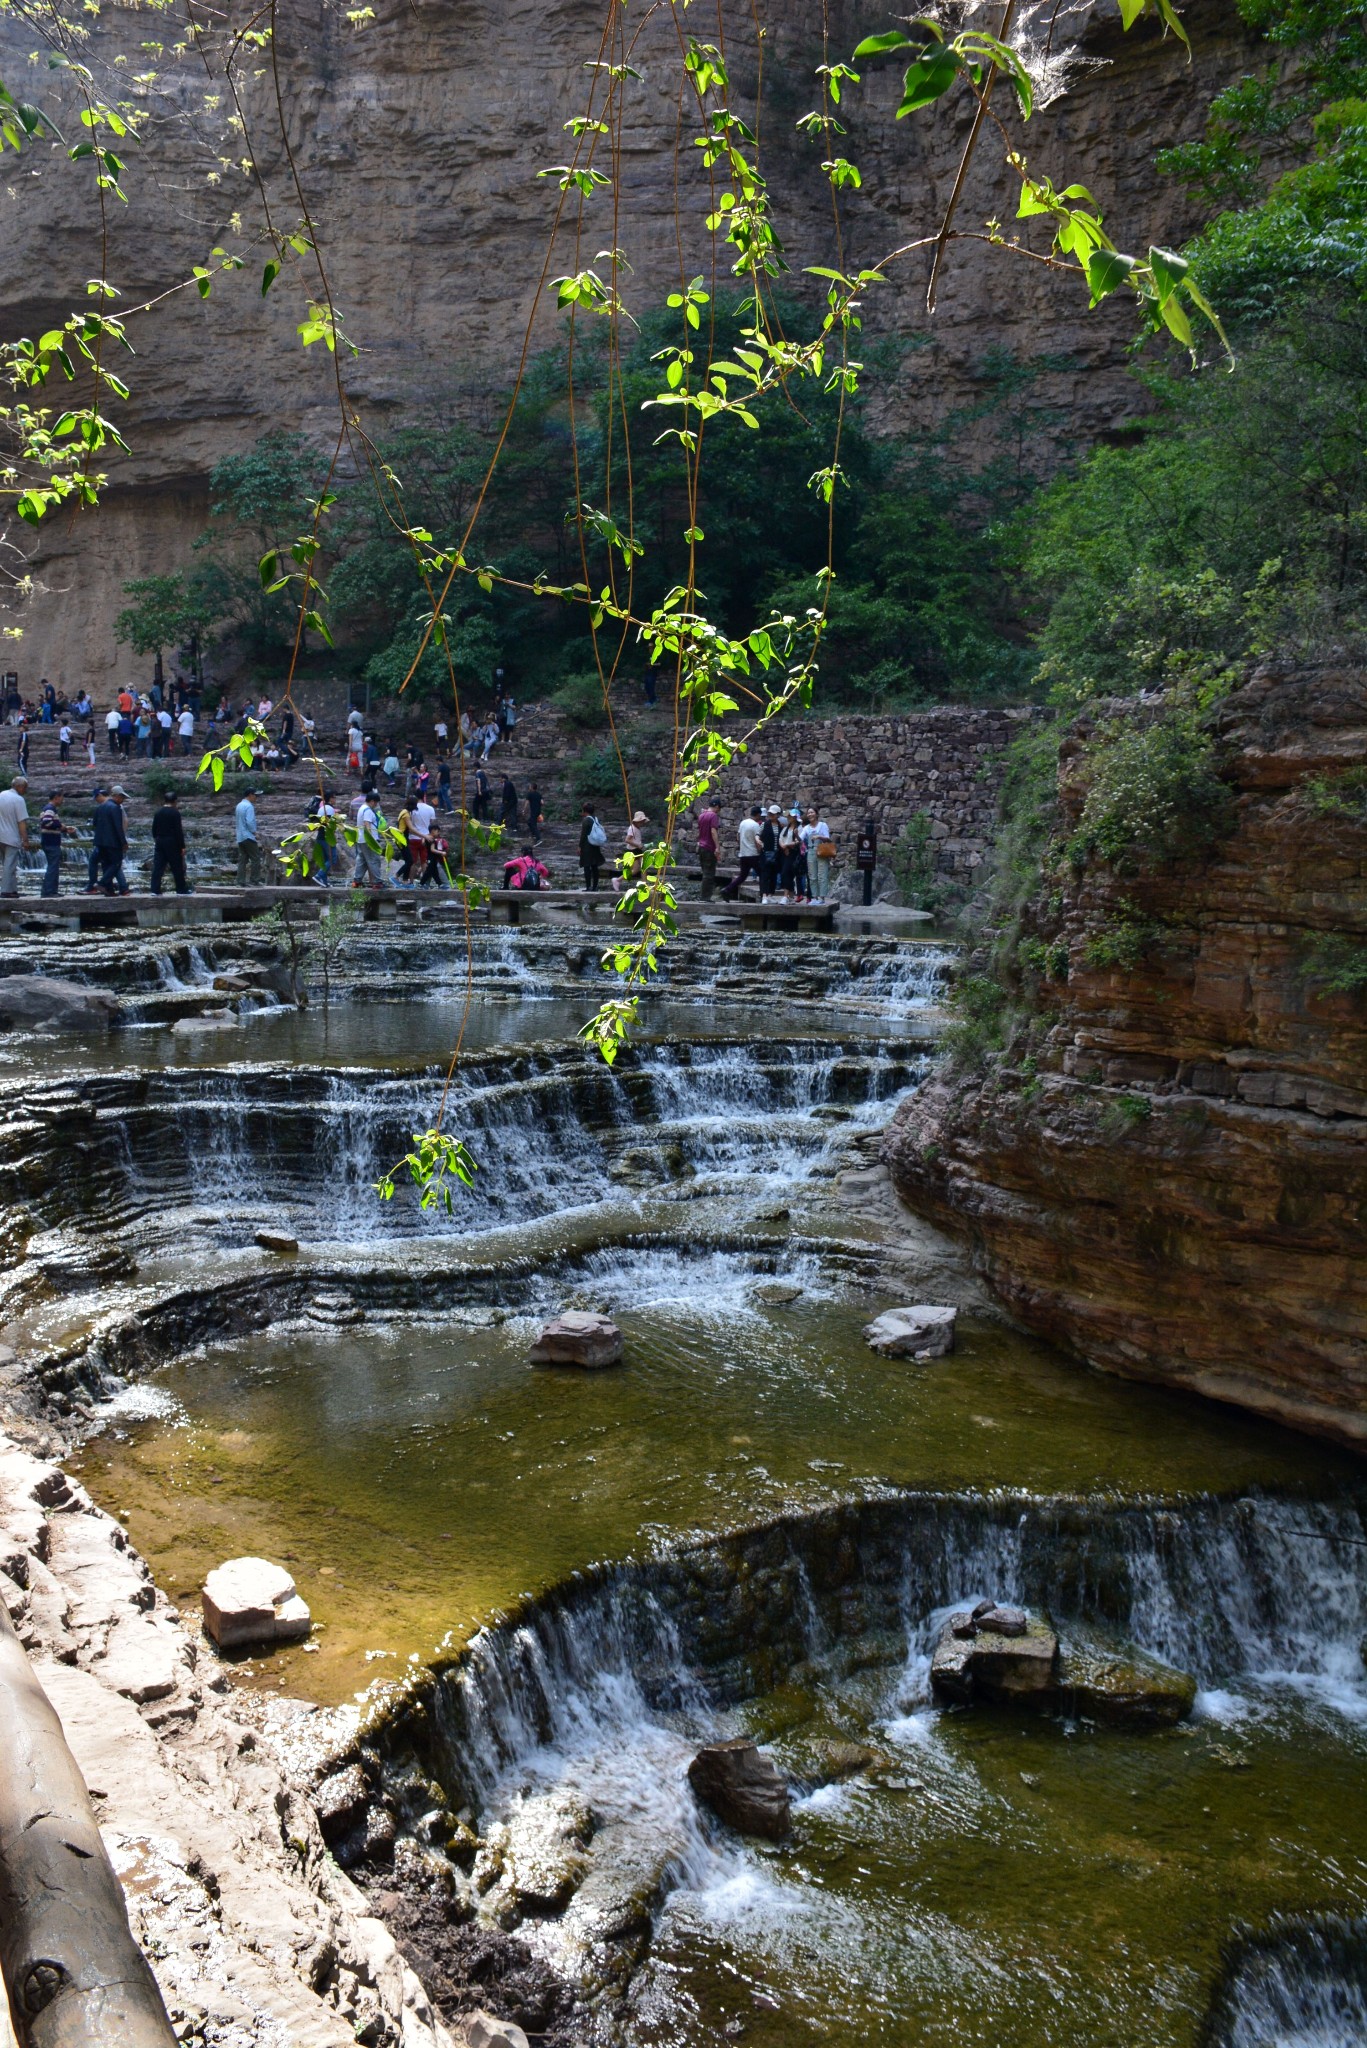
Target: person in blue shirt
248	852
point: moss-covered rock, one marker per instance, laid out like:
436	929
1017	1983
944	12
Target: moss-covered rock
1121	1686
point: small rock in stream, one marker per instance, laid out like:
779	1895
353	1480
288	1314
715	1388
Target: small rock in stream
742	1788
578	1337
777	1293
924	1331
251	1600
276	1241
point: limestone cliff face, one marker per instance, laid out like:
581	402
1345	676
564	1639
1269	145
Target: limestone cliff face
1179	1193
418	141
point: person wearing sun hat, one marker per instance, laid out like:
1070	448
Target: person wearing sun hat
635	839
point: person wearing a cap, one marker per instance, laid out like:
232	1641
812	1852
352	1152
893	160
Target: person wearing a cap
51	833
111	844
13	833
635	839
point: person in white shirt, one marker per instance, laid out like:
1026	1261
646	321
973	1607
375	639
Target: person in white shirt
186	723
816	833
64	742
751	857
424	818
369	865
442	736
111	726
13	833
165	722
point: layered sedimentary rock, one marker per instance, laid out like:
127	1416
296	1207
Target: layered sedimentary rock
1176	1187
418	139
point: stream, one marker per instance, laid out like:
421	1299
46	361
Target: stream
548	1587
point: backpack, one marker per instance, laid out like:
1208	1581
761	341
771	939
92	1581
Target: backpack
531	877
597	835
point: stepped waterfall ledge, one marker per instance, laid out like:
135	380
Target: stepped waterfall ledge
683	1025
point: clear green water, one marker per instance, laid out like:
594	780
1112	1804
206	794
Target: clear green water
993	1879
1027	1883
421	1480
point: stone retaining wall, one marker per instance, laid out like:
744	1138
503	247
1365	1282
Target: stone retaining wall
946	762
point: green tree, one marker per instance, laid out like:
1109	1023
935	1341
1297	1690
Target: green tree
165	611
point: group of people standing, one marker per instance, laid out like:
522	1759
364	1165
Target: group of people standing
108	842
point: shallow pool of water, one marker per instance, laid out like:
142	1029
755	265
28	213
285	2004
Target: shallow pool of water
420	1479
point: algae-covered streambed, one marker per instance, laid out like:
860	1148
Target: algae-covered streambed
422	1478
756	1525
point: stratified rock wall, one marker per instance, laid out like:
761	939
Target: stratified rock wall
418	139
1179	1193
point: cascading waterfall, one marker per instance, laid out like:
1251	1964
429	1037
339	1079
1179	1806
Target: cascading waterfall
553	1128
1219	1587
596	1696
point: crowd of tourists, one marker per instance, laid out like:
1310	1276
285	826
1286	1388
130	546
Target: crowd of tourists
785	853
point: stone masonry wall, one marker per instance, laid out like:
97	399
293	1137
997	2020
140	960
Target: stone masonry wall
946	762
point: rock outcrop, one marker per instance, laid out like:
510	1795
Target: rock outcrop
579	1336
742	1787
1175	1187
419	139
925	1331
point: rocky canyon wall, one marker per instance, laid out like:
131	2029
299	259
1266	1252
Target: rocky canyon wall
1175	1186
418	139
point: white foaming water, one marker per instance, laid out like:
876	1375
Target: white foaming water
142	1403
1304	1989
553	1132
201	974
713	1286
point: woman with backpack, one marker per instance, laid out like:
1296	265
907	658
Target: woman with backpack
592	839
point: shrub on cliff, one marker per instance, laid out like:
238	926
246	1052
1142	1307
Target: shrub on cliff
1153	790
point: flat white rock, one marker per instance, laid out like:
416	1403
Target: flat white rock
482	2030
921	1331
251	1600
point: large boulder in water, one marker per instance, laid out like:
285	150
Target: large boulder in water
29	999
924	1331
994	1653
1122	1687
251	1600
742	1788
578	1337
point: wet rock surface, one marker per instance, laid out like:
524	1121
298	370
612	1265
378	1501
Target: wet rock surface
578	1337
27	1000
918	1332
1172	1191
742	1787
1006	1655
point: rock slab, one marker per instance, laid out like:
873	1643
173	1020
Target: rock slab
482	2030
974	1660
742	1788
60	1005
922	1331
276	1241
250	1600
578	1337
